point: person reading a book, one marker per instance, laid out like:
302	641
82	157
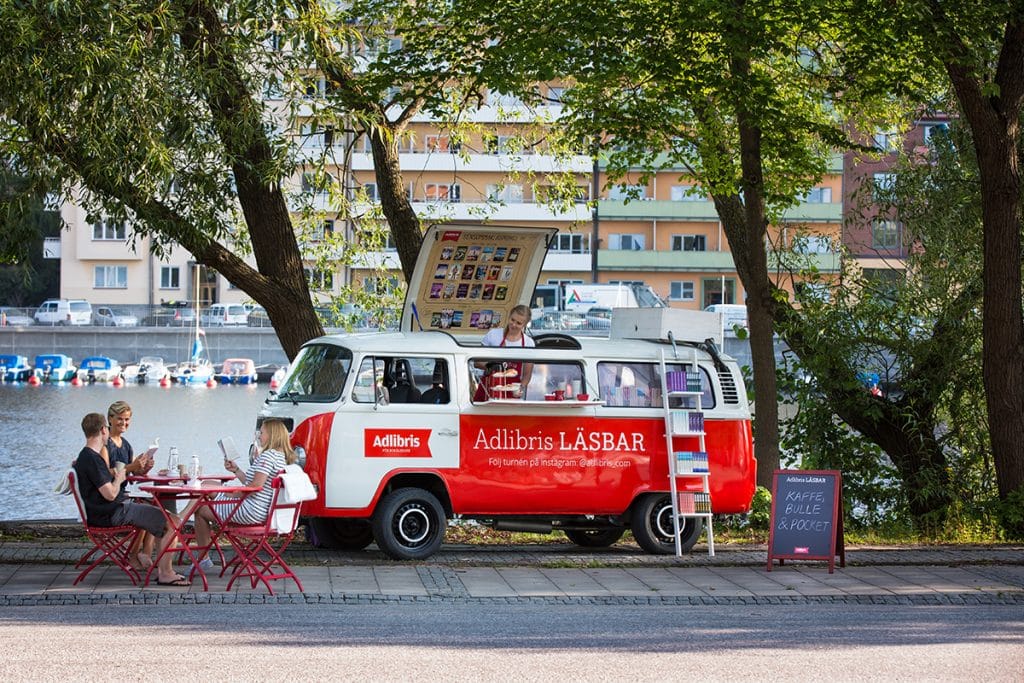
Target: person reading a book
514	375
119	417
275	452
107	505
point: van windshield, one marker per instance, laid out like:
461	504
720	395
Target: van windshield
317	376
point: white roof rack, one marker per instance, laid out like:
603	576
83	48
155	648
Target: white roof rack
657	323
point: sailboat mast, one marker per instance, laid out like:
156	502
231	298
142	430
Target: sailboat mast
195	340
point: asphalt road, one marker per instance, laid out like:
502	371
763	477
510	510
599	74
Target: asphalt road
527	642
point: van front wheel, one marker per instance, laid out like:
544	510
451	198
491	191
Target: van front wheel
653	528
409	524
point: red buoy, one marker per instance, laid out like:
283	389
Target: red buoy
210	383
165	382
33	381
75	382
117	382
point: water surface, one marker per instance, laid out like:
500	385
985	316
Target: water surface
41	433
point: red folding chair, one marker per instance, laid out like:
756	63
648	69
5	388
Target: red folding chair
258	547
113	542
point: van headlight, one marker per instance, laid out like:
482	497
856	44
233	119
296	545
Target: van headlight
300	452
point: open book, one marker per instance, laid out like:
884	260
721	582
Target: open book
227	447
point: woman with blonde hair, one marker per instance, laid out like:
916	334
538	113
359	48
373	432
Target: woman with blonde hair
275	452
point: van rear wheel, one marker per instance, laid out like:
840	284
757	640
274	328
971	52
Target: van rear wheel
653	528
594	538
409	524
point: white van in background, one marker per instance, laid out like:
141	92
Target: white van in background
733	315
64	312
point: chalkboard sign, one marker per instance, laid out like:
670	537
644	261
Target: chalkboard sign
807	517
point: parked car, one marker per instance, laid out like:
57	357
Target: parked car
258	317
223	315
64	312
14	317
599	318
171	314
113	317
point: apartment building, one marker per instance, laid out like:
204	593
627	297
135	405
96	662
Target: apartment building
664	233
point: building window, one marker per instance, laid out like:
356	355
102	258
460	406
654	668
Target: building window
111	277
110	230
371	192
505	144
818	195
626	242
933	129
569	243
380	285
624	192
883	184
377	240
688	193
689	243
311	183
885	234
443	192
887	141
325	231
170	277
681	290
713	293
555	95
812	244
510	194
441	143
319	279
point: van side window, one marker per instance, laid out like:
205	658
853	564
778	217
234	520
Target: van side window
402	380
638	385
494	379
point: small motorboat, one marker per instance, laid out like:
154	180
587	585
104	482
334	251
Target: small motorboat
149	370
237	371
193	372
99	369
54	367
14	368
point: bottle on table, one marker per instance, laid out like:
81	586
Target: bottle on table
172	461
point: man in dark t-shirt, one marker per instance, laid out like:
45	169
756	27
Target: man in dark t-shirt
107	505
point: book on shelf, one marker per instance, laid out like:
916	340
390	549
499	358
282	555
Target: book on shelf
691	462
687	421
694	503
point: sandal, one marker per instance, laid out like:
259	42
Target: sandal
176	581
145	560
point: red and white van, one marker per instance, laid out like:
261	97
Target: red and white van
396	442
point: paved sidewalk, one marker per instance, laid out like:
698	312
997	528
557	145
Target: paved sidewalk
42	573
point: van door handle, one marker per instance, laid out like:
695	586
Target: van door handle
447	432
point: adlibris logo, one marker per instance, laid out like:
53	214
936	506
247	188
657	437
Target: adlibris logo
396	443
574	298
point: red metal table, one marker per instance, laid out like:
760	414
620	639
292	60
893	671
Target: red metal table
200	496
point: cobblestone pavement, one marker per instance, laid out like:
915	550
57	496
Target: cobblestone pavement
42	573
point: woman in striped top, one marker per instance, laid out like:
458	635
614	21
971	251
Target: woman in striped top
274	453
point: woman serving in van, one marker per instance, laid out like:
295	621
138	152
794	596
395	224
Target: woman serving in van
510	373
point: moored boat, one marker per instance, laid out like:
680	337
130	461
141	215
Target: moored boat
237	371
54	367
14	368
149	370
99	369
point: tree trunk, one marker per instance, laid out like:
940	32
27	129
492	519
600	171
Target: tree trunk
394	201
994	120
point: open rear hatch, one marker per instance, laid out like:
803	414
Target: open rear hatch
468	277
